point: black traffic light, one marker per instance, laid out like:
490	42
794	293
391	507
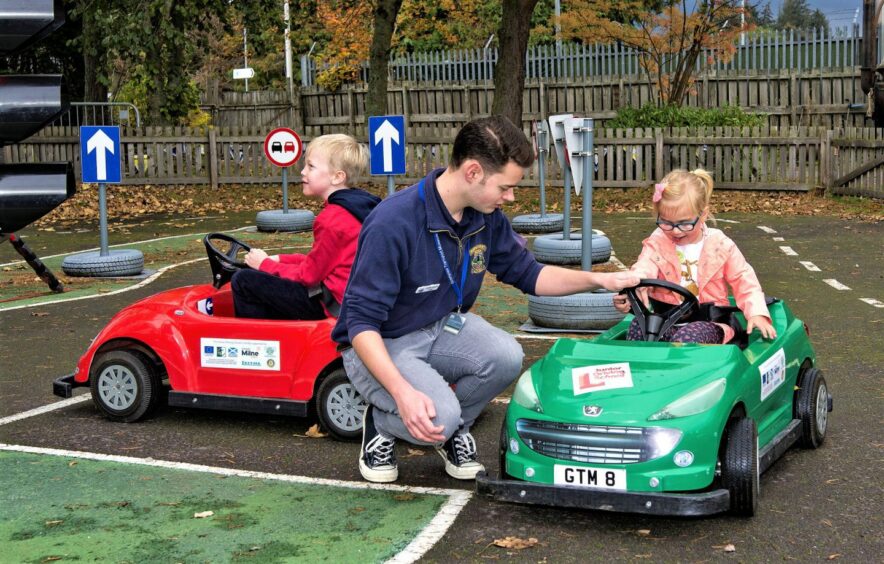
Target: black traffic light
28	103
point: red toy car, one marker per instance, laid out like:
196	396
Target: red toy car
214	360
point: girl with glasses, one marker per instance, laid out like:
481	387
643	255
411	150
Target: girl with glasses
704	260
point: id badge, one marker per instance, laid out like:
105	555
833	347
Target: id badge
454	323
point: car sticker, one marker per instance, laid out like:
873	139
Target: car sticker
773	373
239	354
601	377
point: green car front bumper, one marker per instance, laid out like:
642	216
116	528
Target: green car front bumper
651	503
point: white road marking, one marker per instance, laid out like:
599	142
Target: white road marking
424	541
872	302
767	229
789	251
45	409
719	220
809	265
835	284
779	239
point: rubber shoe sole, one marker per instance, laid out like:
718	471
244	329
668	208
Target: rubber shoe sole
466	472
378	475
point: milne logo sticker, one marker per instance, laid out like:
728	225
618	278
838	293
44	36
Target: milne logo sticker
239	354
773	373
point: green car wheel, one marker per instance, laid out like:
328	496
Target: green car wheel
739	466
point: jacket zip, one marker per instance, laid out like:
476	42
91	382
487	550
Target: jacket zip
460	242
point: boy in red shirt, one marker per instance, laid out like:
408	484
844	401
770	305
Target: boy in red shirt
311	286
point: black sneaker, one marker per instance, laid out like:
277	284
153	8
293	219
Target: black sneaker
377	463
459	454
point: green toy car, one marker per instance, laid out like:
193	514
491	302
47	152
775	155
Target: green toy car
656	427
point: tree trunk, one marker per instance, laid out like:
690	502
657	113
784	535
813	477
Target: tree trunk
94	60
385	13
509	72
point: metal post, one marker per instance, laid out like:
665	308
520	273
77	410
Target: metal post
245	55
391	186
102	220
285	189
586	155
289	73
541	166
566	215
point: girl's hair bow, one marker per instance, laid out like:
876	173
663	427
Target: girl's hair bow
658	192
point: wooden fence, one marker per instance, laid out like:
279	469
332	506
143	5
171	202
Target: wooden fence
847	161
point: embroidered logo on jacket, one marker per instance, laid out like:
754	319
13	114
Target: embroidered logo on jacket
477	259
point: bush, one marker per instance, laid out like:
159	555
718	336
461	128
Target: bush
674	116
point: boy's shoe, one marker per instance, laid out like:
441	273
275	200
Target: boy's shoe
459	454
377	462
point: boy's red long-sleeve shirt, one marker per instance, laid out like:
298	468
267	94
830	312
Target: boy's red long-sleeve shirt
335	235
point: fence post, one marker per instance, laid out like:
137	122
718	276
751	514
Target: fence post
351	102
544	107
213	159
468	93
658	154
793	95
406	104
826	161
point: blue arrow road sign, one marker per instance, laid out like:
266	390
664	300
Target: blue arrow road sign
100	154
386	138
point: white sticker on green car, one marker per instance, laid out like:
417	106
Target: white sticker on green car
601	377
773	373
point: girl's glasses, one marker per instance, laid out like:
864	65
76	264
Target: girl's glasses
683	226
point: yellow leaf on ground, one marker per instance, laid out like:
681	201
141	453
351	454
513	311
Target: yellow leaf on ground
314	432
203	514
515	542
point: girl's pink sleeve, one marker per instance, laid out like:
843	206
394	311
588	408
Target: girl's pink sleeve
745	285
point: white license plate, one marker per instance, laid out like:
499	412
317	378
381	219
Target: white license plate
581	476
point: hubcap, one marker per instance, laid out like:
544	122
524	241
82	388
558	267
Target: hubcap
822	409
346	407
117	387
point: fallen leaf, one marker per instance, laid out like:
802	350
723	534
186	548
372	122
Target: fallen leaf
54	523
314	432
72	463
39	314
730	548
835	556
413	452
203	514
643	532
406	496
515	542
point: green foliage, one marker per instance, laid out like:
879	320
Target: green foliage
672	116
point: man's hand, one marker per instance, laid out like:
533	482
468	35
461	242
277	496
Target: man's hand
761	323
255	257
417	411
616	281
621	301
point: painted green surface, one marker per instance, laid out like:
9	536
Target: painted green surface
55	508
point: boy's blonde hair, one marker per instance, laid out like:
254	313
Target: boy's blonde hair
343	152
695	185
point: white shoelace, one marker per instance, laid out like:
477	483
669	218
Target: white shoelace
381	450
465	447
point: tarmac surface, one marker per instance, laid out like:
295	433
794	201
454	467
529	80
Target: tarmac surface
815	505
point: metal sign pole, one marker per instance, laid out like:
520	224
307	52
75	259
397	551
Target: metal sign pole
541	167
391	187
566	213
285	189
102	220
586	155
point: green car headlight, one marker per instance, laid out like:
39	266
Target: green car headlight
525	395
694	402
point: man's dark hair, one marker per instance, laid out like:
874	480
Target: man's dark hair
493	141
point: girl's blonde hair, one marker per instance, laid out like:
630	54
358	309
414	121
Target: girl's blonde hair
343	153
695	185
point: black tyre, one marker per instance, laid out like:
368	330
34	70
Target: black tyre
340	407
293	221
125	385
555	249
585	311
536	223
739	466
812	408
119	262
501	451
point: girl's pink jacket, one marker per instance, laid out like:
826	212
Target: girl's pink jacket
721	265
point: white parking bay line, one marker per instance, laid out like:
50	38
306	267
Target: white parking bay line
809	265
779	239
767	229
835	284
423	542
789	251
45	409
872	302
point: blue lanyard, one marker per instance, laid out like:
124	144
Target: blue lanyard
458	289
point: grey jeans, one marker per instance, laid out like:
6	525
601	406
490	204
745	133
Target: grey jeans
481	361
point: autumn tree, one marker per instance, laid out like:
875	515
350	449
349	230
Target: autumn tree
509	73
385	12
668	40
